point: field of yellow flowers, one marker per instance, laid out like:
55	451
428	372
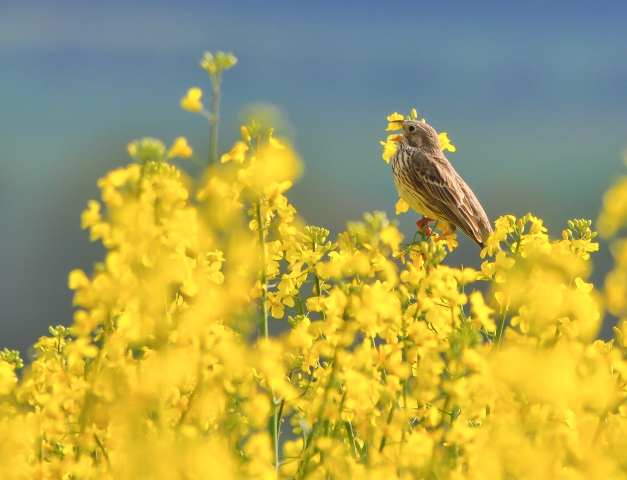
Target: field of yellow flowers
392	365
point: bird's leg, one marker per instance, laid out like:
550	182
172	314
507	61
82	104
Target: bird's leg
424	223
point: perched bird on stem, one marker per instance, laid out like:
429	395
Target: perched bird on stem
429	184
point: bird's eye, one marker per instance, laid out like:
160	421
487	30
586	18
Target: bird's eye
411	128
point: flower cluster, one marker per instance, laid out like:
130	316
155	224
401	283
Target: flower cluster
612	220
390	364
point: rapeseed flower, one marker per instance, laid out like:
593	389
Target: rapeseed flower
180	148
237	153
191	101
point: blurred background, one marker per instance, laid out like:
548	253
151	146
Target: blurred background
532	94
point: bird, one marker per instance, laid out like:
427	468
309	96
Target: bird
429	184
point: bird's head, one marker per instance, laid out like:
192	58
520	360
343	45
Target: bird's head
420	135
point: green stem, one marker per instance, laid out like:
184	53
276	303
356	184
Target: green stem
273	426
517	249
603	417
105	455
338	425
41	446
263	277
189	402
280	414
455	413
351	438
405	355
323	315
501	325
304	467
273	422
215	115
390	416
299	302
499	329
197	161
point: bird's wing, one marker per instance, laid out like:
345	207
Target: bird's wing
444	189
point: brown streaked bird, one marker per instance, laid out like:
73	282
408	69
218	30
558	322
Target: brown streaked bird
427	181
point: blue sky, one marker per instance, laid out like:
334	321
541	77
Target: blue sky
533	95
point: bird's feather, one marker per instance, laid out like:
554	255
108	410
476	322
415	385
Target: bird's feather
444	190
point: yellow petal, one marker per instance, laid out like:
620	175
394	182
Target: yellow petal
401	206
191	101
394	119
500	297
389	149
237	153
445	142
180	148
77	280
583	287
275	143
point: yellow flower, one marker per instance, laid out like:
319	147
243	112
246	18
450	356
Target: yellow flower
275	143
217	63
401	206
245	134
391	236
91	216
273	162
614	213
237	153
8	379
498	267
180	148
394	119
78	280
275	306
146	150
450	241
481	312
209	64
389	147
568	327
191	101
446	143
582	286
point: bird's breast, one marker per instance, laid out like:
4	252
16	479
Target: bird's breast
409	191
